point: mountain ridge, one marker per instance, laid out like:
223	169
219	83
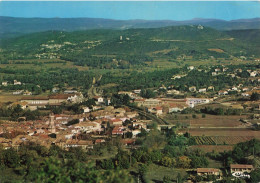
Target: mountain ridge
18	25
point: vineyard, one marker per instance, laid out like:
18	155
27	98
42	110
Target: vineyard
221	140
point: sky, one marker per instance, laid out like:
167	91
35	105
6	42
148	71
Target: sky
125	10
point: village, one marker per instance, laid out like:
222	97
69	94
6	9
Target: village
104	119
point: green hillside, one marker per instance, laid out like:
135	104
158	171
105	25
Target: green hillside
119	48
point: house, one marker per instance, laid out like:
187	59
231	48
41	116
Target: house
208	171
137	91
17	82
98	141
140	124
70	91
214	74
253	74
245	89
221	92
245	94
139	102
234	88
241	168
192	88
55	90
116	122
211	88
191	102
174	107
117	131
4	83
190	68
173	92
99	99
203	90
18	92
135	132
35	101
27	93
57	99
86	109
151	102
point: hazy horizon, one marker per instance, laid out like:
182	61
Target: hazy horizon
132	10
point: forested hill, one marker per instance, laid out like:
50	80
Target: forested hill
10	26
132	46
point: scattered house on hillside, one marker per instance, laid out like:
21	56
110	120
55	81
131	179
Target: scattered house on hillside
98	99
234	88
190	68
222	92
135	132
211	88
173	92
192	88
208	171
232	75
214	74
18	92
86	109
241	168
245	89
27	93
245	94
70	91
203	90
55	90
253	74
17	82
94	108
217	70
137	91
4	83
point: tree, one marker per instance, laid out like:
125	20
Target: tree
167	161
255	176
183	162
11	158
255	96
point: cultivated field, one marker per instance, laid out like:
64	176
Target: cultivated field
214	140
208	121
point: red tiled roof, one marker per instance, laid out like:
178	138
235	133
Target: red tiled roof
60	96
240	166
35	98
